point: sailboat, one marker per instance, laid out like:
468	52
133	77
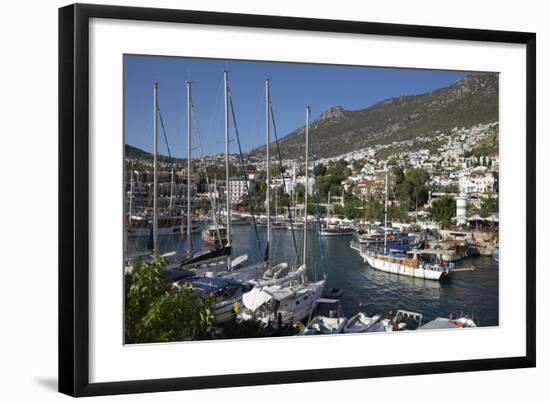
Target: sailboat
278	305
413	264
220	249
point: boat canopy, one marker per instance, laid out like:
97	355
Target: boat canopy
213	283
426	252
258	296
255	298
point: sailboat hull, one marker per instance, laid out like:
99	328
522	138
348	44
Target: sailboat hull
404	270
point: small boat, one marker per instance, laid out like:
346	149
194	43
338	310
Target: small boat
141	225
324	324
360	323
205	257
215	235
449	323
334	227
397	322
220	268
337	230
333	293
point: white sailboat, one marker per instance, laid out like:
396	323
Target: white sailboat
278	305
411	265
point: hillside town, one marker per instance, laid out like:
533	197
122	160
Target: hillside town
455	164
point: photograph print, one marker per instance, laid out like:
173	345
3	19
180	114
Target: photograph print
270	199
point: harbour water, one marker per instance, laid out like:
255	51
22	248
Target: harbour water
475	293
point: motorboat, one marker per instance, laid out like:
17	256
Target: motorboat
360	323
332	324
333	293
449	323
401	321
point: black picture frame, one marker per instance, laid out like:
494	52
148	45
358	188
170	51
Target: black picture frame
74	200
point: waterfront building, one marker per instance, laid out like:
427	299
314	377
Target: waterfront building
238	188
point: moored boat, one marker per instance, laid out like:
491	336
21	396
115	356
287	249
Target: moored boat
414	264
226	294
320	324
360	323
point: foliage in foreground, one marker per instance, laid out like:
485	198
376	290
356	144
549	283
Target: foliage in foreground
156	312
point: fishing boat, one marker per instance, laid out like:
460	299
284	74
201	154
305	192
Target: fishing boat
332	324
360	323
416	264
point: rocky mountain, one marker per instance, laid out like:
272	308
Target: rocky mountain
131	152
469	101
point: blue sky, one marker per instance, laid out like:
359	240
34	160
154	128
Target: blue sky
293	86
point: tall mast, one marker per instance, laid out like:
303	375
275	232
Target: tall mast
226	129
171	189
268	173
276	202
189	167
386	215
155	172
328	207
305	193
131	197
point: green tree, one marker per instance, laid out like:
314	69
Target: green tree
320	170
410	186
488	206
358	165
374	210
443	210
451	189
155	312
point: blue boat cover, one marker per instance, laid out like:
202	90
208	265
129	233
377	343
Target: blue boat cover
213	283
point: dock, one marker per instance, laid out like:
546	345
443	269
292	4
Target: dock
463	269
